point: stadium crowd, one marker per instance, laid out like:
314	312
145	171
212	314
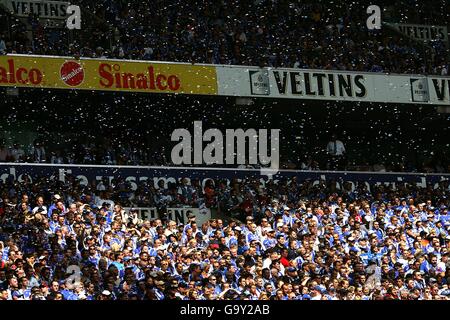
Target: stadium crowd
281	240
290	240
141	154
262	33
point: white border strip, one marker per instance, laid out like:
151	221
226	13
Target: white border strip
215	169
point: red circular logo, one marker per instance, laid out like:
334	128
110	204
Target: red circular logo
72	73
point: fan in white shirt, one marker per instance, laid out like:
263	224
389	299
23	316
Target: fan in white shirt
335	147
40	205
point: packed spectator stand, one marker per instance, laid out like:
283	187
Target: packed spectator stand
311	35
281	240
290	240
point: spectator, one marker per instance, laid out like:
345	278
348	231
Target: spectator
336	153
38	152
2	44
268	34
4	152
16	153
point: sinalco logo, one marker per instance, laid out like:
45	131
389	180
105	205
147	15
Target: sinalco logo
72	73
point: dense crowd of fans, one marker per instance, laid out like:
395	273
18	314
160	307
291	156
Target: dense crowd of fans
263	33
283	240
108	153
292	240
81	153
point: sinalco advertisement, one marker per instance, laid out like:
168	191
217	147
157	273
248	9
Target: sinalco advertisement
115	75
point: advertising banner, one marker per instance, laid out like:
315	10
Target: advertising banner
332	85
422	32
145	213
238	81
111	75
179	215
134	175
51	14
41	8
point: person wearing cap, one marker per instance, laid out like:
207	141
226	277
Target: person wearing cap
269	241
278	225
287	218
105	295
292	275
248	221
274	206
231	239
316	293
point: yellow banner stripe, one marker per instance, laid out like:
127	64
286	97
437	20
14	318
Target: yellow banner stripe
111	75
